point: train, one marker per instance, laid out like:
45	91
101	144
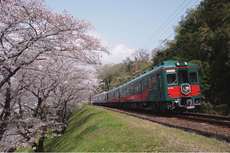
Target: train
171	85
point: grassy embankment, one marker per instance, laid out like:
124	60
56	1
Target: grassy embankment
96	129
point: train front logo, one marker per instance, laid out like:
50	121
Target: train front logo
171	85
185	88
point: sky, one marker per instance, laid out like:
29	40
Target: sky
126	25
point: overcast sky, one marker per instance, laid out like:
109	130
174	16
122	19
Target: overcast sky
125	25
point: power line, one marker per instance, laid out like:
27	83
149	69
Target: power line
165	22
169	17
163	28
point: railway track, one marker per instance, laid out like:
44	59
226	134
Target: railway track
212	119
207	125
208	116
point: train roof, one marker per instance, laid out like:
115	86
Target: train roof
175	63
101	93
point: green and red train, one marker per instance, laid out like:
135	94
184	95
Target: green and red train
171	85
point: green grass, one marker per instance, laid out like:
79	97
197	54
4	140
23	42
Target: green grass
24	149
96	129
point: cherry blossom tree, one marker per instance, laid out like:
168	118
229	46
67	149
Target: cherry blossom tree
43	61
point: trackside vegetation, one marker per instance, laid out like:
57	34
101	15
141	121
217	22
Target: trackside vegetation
95	129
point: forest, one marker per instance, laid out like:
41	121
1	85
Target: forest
202	37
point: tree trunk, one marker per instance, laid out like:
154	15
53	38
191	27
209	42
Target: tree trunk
64	112
20	108
4	117
38	107
40	145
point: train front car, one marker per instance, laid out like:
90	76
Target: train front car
182	85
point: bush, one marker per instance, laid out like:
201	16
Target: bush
222	109
207	107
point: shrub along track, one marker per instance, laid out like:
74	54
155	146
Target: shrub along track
208	125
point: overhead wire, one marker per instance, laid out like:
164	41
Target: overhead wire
156	31
164	28
165	23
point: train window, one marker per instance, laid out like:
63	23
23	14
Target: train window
152	81
144	84
139	87
135	89
183	76
130	89
149	85
193	77
171	78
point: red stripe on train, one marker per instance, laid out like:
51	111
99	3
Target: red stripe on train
136	97
175	91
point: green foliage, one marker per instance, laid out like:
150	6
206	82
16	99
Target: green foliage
222	109
24	149
207	108
107	74
117	74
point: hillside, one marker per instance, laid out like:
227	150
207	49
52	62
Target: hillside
96	129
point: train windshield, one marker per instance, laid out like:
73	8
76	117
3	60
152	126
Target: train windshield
193	77
171	78
183	76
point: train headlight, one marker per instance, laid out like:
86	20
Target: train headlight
197	101
189	102
177	101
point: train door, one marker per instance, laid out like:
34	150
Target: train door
159	86
152	87
144	88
